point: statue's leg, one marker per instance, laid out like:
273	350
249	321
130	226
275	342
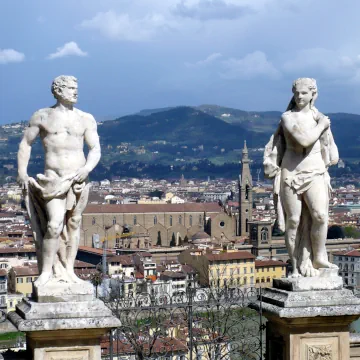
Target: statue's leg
317	200
73	228
292	205
55	209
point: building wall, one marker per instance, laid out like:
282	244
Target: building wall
232	273
266	274
180	223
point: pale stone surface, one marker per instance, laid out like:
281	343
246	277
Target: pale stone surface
328	279
61	193
291	299
297	157
55	291
30	310
304	325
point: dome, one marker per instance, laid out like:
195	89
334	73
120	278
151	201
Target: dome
201	235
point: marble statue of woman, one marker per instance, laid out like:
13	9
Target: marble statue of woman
297	158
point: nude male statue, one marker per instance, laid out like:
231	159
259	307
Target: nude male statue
56	200
298	156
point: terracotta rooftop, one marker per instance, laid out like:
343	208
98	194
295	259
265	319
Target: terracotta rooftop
122	259
83	265
25	270
95	250
353	253
265	263
152	208
236	255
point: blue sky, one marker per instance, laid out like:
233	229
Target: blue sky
134	54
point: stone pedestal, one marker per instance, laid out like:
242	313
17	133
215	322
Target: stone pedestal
308	324
64	330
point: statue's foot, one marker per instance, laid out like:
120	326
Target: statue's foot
295	274
320	263
309	271
43	279
72	276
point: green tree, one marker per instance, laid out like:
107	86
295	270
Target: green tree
180	241
186	239
97	279
173	240
351	232
158	243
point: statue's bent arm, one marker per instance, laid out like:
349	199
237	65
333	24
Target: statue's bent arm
92	141
30	135
303	137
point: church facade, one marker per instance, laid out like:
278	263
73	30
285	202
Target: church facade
143	226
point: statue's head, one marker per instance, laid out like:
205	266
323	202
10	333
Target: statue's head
305	92
65	89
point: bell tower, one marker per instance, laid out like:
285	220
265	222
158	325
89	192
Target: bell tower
245	194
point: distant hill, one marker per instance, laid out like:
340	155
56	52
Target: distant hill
179	125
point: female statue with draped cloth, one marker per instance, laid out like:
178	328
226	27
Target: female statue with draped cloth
297	157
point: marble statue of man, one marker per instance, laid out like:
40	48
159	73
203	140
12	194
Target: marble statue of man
56	199
297	157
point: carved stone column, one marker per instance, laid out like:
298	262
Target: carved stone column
309	318
65	330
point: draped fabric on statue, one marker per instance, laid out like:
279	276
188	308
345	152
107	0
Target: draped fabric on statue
40	191
273	155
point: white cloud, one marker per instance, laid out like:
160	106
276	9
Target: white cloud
323	62
69	49
211	58
211	10
10	55
250	66
123	27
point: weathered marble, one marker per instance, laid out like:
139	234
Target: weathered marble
30	310
56	199
328	279
305	325
55	291
297	157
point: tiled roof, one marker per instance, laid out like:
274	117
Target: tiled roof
122	259
265	263
95	250
237	255
152	208
26	270
353	253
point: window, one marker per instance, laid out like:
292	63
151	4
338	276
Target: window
222	224
264	235
251	270
171	221
155	220
135	220
340	258
245	270
114	220
93	221
340	266
352	267
200	219
28	279
11	304
245	280
19	280
180	219
190	220
117	240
